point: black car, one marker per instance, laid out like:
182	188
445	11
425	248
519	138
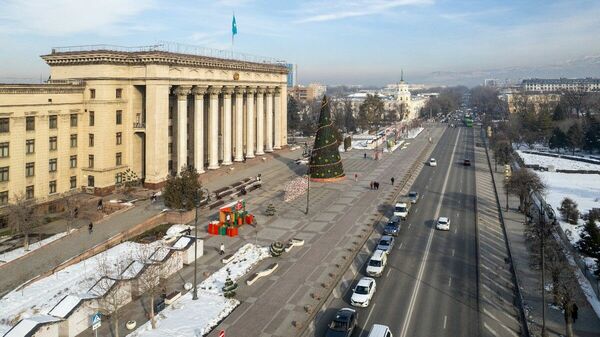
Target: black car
343	324
467	162
392	227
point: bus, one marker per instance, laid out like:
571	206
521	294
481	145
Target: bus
468	121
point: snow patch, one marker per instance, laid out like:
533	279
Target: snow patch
19	252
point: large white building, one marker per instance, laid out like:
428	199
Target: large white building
561	84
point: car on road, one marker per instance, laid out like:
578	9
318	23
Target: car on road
377	263
343	324
379	330
466	162
413	197
386	243
432	162
443	224
401	209
363	292
392	227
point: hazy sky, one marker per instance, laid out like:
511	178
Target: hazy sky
332	41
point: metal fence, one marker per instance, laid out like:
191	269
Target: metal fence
173	47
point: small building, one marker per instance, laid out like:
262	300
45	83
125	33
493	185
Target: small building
75	313
36	326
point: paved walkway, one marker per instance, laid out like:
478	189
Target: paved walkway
499	316
587	324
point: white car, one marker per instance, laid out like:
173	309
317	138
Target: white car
432	162
377	263
401	210
443	224
386	243
363	292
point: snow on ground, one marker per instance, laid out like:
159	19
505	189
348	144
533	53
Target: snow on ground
187	317
17	253
40	296
559	163
413	133
176	230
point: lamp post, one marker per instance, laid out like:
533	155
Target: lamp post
542	223
308	180
197	205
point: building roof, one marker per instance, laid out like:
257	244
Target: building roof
28	326
66	306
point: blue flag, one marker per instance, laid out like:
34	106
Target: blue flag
233	26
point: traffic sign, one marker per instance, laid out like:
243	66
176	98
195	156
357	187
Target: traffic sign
96	321
222	333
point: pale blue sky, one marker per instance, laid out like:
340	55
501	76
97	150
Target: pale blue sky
332	41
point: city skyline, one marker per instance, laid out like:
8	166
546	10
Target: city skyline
353	42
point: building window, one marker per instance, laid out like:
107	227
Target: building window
119	158
52	187
53	143
92	120
119	93
119	138
4	125
30	123
4	150
119	117
30	146
118	178
73	161
92	93
29	169
91	161
4	173
29	192
73	182
53	121
90	181
91	140
74	140
4	198
73	120
53	163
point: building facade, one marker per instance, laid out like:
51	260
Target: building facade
147	113
561	84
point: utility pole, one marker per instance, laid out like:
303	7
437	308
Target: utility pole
542	223
197	204
308	179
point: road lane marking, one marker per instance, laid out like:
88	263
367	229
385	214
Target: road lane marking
388	273
452	252
368	317
455	230
490	329
450	281
445	319
400	246
409	226
413	297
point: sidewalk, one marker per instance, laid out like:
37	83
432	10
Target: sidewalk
587	324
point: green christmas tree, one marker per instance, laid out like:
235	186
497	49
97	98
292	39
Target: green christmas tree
325	162
229	288
276	249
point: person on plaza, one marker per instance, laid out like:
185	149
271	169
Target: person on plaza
392	181
365	155
188	231
376	184
371	185
574	313
100	206
90	227
222	249
355	176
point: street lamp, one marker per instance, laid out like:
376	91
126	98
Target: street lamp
542	224
308	179
197	205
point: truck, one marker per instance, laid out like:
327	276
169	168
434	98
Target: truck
402	208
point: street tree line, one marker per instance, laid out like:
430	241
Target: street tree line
446	102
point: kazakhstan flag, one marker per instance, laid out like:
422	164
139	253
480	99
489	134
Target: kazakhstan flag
233	26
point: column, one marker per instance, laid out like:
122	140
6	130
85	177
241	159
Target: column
227	126
213	128
277	119
250	122
239	124
198	93
284	115
182	93
269	145
260	121
157	133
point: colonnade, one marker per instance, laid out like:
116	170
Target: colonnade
241	122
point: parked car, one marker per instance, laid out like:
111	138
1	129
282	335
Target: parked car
343	324
443	224
386	243
392	227
363	292
377	263
413	197
467	162
401	209
432	162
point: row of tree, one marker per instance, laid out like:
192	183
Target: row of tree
446	102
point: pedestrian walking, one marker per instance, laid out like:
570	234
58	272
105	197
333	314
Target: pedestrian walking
392	181
574	313
355	176
222	249
371	185
100	205
90	227
376	185
365	155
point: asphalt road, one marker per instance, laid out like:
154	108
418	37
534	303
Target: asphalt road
429	287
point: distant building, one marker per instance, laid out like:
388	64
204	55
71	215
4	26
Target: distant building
307	93
491	82
561	84
292	74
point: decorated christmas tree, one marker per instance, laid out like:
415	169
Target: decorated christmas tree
276	249
325	162
229	288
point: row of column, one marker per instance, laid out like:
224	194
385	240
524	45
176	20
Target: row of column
256	144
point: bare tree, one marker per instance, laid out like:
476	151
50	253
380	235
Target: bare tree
522	183
22	217
564	286
72	207
111	290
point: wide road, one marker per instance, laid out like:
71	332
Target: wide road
429	287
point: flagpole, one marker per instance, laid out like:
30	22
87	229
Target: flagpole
233	36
